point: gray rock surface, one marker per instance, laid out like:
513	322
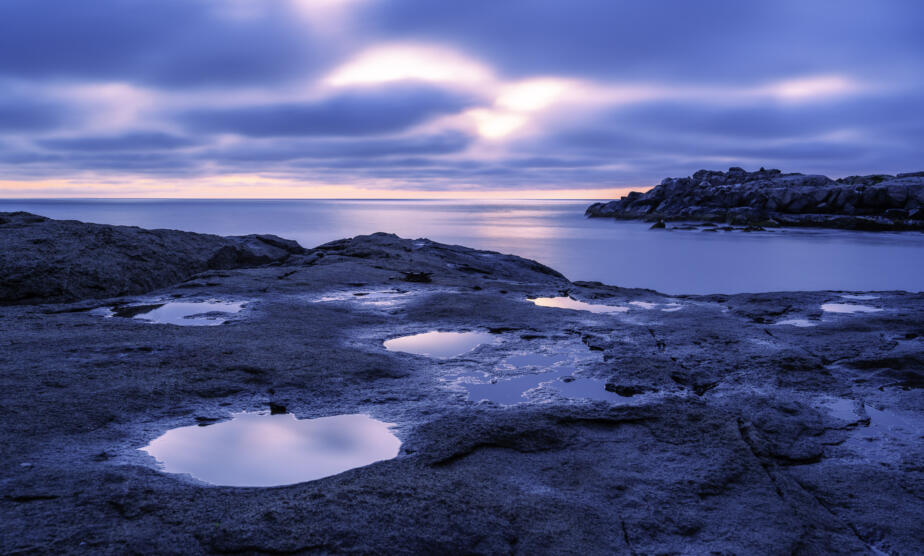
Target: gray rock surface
724	431
771	198
44	260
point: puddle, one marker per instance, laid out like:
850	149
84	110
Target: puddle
879	435
588	388
557	368
533	360
511	391
384	298
261	450
569	303
801	323
183	313
848	308
643	304
671	307
441	345
863	297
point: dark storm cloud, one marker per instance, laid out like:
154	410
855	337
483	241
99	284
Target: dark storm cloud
162	42
358	112
135	141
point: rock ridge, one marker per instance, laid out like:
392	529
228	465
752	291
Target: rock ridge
53	261
773	198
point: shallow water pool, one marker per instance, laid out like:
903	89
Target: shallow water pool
569	303
439	345
262	450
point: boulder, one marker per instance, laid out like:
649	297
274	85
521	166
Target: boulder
45	261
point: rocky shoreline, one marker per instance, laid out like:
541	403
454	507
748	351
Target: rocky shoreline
771	423
771	198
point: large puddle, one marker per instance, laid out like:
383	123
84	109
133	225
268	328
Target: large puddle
440	345
260	450
182	313
569	303
847	308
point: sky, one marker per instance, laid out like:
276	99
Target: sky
424	98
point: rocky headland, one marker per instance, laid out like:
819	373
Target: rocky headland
772	198
770	423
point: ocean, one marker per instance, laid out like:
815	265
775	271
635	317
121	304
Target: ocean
555	233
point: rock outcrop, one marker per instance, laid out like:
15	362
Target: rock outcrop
688	424
44	260
772	198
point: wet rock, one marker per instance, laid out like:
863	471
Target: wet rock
419	277
739	437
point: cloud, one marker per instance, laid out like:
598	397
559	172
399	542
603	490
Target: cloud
477	94
135	141
708	41
169	43
28	115
352	113
354	148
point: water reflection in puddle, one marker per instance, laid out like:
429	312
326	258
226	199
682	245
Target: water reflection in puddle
254	449
440	345
512	390
556	373
569	303
848	308
182	313
801	323
860	297
382	298
587	388
875	433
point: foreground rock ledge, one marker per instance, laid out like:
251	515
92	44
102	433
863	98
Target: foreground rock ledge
771	198
720	436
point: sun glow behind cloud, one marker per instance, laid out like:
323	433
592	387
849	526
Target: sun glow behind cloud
399	62
415	95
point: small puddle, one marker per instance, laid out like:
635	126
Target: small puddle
511	391
181	313
588	388
556	372
382	298
801	323
643	304
860	297
440	345
261	450
569	303
848	308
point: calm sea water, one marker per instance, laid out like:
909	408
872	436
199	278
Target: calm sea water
552	232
